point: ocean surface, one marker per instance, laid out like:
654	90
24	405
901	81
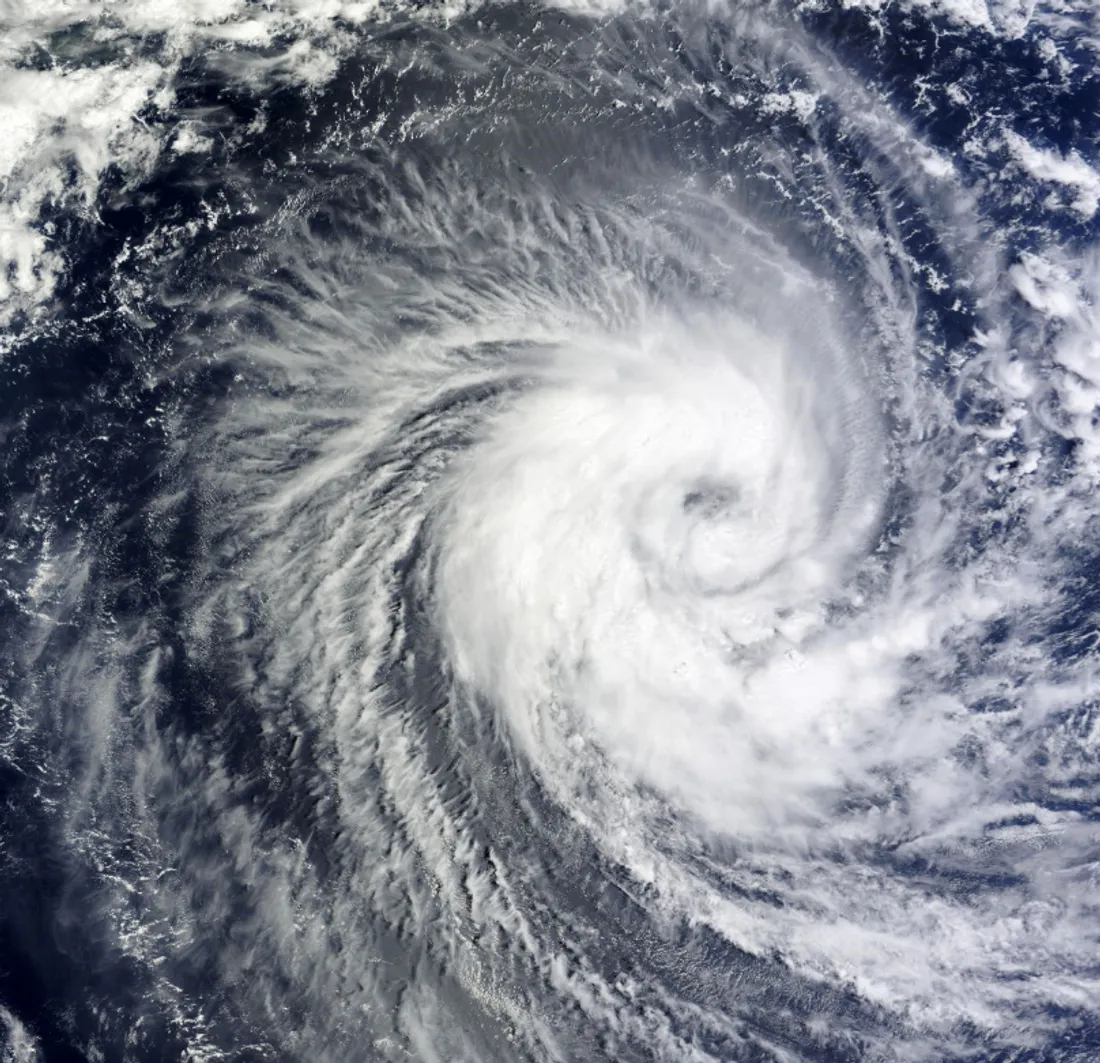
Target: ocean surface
547	533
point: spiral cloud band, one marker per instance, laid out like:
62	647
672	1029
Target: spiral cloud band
553	535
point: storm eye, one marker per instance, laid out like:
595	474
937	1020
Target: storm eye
709	501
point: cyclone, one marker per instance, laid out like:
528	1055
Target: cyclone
545	533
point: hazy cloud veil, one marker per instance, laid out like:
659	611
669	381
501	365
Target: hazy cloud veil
547	533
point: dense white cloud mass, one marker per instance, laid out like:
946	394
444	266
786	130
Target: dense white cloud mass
631	558
549	534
